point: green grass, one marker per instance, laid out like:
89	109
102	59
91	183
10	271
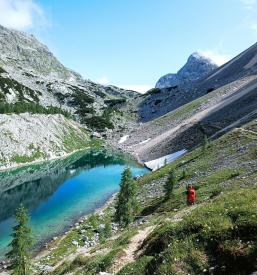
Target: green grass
222	233
37	154
73	140
136	268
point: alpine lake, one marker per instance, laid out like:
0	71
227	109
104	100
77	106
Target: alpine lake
57	193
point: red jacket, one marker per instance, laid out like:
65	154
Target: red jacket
191	195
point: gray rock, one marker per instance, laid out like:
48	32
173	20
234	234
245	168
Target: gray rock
74	242
196	68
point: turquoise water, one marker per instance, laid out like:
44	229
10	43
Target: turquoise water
58	193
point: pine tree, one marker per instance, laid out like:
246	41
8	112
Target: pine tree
205	143
184	174
169	185
21	243
127	203
165	162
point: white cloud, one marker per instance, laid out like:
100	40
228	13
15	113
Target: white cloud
104	80
249	4
215	56
135	87
21	14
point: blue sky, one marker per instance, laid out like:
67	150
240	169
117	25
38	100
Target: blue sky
131	43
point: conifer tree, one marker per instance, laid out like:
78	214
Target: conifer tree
21	243
169	185
127	203
205	143
184	174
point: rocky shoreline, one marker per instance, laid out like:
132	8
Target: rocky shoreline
46	248
76	223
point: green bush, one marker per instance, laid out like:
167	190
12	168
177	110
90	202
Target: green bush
113	102
98	123
81	98
30	107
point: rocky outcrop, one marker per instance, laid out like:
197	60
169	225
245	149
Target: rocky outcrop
196	68
27	138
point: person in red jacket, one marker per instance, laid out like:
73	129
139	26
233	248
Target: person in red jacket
191	195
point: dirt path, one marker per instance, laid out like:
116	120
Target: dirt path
130	252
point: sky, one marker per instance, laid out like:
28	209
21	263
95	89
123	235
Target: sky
132	43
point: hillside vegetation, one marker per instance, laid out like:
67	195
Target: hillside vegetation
217	235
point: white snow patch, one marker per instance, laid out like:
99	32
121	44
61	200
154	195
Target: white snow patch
160	162
123	139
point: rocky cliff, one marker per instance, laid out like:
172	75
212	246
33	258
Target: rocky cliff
26	138
196	68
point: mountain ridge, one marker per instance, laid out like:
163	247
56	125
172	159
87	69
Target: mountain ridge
28	63
196	68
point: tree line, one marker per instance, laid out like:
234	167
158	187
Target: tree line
30	107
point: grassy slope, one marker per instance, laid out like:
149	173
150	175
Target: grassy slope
222	231
219	232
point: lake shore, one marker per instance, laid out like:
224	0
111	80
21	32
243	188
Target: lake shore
13	166
44	250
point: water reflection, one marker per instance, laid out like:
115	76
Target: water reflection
32	185
55	192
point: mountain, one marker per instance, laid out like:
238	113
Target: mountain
214	122
196	68
29	72
244	64
209	113
174	119
175	90
32	80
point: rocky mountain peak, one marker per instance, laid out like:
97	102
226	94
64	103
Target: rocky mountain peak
19	50
196	67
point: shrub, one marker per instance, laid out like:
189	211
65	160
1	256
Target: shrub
113	102
169	185
98	123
